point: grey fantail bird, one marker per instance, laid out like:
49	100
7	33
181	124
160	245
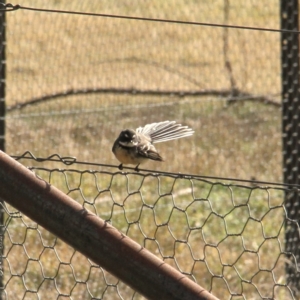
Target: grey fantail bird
136	146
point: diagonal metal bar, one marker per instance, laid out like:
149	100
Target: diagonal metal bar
92	236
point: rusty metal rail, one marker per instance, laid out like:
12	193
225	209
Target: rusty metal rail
92	236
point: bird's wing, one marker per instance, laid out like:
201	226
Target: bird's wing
148	150
165	131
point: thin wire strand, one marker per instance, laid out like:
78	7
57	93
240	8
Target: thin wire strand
72	160
11	7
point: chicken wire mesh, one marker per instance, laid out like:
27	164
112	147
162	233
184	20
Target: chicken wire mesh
73	82
220	234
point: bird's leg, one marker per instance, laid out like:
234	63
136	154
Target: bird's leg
120	167
137	168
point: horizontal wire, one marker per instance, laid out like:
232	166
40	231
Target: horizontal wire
72	160
11	7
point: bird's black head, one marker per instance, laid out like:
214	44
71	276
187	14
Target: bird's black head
127	136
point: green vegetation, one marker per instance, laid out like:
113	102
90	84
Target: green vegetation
206	230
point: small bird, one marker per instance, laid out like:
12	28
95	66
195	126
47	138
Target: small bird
136	146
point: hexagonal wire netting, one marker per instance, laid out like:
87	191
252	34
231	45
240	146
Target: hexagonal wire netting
221	235
64	97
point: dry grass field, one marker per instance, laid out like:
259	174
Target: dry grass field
50	53
64	52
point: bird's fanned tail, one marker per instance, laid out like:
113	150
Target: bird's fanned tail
165	131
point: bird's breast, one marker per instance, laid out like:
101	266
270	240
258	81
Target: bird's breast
127	155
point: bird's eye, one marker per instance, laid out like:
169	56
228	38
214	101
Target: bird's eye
126	135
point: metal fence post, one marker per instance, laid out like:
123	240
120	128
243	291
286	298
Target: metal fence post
2	80
2	131
291	133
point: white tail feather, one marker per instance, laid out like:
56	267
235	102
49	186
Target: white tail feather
165	131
